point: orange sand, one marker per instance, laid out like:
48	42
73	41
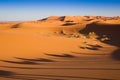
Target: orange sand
43	50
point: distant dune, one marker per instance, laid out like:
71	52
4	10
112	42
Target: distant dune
65	24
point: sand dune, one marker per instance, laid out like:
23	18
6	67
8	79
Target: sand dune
58	48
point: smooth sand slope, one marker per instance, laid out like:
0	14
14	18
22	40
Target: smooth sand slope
55	48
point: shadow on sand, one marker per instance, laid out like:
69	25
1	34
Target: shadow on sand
54	68
20	62
29	61
13	75
63	55
6	73
37	59
16	25
116	55
101	54
111	30
91	47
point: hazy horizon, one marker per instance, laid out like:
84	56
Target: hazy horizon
22	10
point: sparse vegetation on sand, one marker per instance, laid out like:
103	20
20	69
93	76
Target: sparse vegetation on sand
104	38
90	35
76	35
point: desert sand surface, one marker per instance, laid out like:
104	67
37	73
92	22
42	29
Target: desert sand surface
61	48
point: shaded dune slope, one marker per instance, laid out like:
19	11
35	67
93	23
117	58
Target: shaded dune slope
111	30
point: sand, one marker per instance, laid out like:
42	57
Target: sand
45	50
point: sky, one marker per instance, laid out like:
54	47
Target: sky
23	10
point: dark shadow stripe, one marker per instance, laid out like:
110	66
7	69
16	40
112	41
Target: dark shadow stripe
66	76
62	68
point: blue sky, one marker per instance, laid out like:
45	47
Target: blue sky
20	10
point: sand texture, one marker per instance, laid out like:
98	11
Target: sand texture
61	48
